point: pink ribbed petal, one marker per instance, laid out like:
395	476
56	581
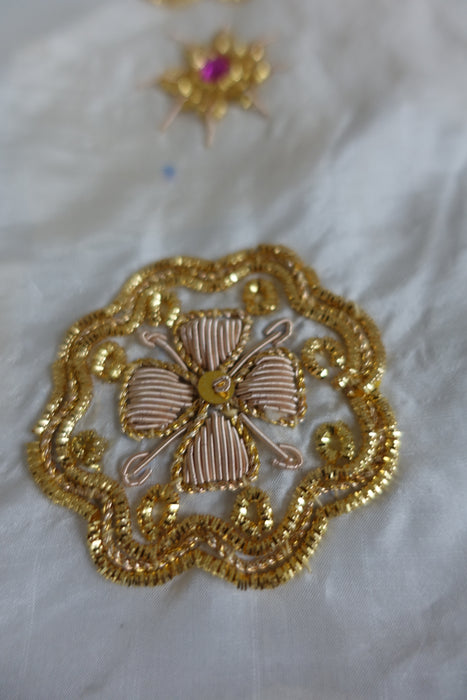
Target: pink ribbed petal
271	388
154	398
217	455
209	341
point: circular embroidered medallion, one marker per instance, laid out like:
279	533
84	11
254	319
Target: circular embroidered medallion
218	397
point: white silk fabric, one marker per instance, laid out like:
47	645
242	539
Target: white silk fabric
362	169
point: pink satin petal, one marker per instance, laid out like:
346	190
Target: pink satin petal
217	455
271	388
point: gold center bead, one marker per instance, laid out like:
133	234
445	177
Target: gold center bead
216	387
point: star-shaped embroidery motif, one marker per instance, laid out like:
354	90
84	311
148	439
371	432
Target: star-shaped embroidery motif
224	72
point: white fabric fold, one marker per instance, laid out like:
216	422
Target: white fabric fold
362	169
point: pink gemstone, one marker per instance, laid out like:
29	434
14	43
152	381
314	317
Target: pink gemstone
214	69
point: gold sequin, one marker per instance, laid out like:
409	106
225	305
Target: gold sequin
88	448
162	308
108	361
260	297
334	441
252	512
167	498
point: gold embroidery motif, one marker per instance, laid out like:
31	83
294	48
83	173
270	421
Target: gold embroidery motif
224	72
209	397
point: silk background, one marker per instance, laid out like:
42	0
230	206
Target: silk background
362	169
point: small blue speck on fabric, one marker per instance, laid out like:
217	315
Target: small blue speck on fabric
169	172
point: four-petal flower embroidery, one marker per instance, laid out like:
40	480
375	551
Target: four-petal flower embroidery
211	392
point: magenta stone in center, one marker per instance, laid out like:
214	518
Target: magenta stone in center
214	69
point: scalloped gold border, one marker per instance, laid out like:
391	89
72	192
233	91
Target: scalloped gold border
226	549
